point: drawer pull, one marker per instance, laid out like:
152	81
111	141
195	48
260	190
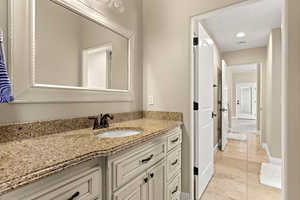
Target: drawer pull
175	140
152	175
76	194
175	162
147	159
176	189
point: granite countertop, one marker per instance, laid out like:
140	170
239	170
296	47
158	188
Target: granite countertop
25	161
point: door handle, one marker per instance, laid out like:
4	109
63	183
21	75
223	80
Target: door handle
213	115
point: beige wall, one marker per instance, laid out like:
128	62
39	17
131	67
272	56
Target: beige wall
167	71
291	100
246	56
130	19
273	94
243	77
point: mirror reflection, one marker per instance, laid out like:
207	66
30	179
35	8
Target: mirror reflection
72	50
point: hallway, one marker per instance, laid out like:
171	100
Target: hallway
237	173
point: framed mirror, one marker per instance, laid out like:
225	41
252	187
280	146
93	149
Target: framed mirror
65	51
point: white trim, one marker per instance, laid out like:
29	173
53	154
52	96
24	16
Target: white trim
216	148
22	54
274	160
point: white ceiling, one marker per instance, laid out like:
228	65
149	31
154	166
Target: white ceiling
256	19
243	68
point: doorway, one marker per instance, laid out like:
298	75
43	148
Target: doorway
234	43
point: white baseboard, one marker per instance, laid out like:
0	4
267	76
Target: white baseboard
273	160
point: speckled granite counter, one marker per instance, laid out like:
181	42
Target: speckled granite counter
25	161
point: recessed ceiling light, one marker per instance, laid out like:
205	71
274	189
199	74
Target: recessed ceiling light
240	35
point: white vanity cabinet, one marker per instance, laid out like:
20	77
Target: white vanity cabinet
150	171
157	166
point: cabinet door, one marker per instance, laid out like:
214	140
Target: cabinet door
134	190
157	182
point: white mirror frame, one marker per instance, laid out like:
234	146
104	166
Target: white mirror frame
21	54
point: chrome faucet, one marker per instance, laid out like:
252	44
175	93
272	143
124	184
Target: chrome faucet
101	121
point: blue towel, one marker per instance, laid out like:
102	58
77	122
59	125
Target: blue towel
5	85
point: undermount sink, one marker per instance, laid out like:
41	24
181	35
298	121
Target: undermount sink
118	132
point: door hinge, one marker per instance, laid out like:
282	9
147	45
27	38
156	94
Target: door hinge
196	105
196	171
195	41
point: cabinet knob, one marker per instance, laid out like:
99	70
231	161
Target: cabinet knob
146	180
152	175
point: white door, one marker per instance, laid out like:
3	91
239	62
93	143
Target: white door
246	100
203	122
224	108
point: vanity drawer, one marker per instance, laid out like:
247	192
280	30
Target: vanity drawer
175	138
173	163
174	188
87	187
131	165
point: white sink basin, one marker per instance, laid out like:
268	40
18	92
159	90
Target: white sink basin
116	133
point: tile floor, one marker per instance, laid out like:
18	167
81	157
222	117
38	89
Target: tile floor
237	173
243	125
